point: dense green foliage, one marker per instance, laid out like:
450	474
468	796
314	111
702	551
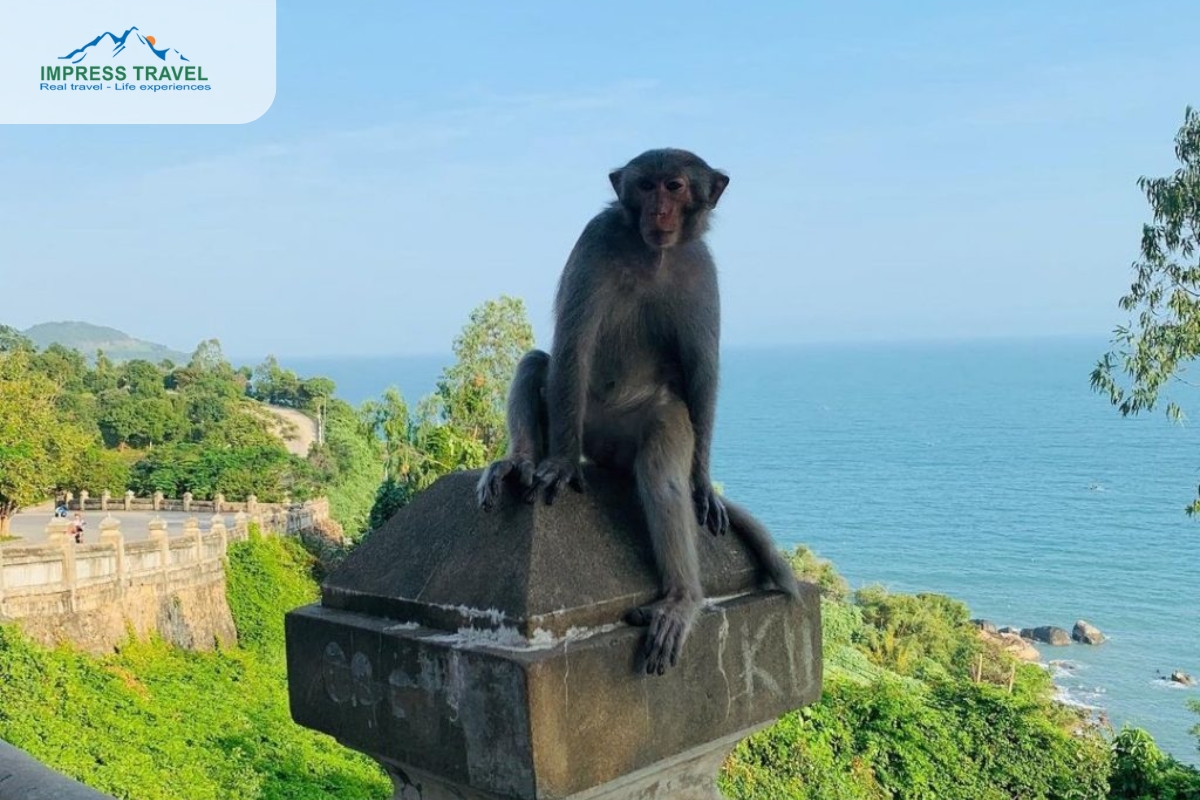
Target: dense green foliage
1143	772
38	446
349	464
1163	337
68	425
462	424
282	387
205	427
903	716
157	723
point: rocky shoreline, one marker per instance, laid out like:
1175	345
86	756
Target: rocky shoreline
1020	643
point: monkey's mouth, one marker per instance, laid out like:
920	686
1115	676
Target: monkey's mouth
656	237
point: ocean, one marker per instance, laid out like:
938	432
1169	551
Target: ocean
985	470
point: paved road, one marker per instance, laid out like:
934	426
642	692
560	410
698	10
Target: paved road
31	525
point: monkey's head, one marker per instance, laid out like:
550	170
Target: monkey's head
667	194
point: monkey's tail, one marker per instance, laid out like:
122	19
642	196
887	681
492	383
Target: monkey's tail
759	540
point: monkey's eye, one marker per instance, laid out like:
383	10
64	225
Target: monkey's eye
675	185
646	185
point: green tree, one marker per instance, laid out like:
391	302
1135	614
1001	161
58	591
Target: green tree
1154	348
349	464
471	393
462	425
275	385
38	449
12	339
125	419
99	468
66	367
104	376
141	379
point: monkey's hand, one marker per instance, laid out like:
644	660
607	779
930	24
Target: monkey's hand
556	472
514	467
669	622
709	509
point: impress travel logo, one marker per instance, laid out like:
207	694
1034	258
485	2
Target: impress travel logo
110	61
71	66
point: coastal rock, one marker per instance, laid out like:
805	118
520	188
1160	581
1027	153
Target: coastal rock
1018	648
1010	643
1047	634
1086	633
1010	629
1181	677
985	625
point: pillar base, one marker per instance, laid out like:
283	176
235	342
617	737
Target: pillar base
483	656
688	776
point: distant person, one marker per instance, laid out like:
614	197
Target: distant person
77	528
61	510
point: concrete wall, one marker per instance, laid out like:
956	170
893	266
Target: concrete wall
93	595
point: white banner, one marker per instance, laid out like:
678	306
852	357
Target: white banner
73	62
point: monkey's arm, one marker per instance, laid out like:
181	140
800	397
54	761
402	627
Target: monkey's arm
699	354
567	380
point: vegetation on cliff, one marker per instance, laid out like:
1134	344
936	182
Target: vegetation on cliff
901	716
917	705
153	722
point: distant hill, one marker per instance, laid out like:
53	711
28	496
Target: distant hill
88	338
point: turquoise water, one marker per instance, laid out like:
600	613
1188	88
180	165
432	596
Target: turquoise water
987	471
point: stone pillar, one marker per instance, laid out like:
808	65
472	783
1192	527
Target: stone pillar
110	534
66	541
57	535
187	502
158	501
191	528
218	502
129	500
241	524
523	682
158	534
251	504
83	498
217	525
68	498
56	531
105	497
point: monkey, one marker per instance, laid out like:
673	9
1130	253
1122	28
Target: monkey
631	384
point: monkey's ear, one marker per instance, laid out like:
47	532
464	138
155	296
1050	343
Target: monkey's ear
718	183
614	178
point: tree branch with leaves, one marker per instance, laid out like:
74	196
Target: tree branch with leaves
1155	348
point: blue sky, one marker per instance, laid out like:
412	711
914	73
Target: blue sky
917	170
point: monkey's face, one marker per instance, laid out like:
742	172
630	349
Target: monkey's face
668	194
665	203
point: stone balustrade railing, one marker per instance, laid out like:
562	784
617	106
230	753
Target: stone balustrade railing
59	576
106	501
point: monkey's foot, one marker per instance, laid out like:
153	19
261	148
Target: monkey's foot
710	510
669	622
491	483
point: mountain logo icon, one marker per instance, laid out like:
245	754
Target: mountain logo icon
131	47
